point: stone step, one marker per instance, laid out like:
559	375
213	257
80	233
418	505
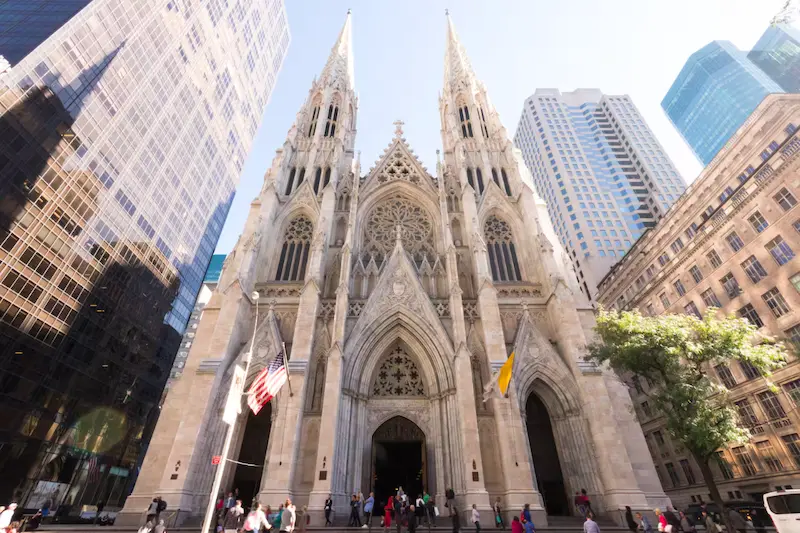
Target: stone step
560	527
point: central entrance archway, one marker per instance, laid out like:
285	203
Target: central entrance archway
253	450
549	477
398	459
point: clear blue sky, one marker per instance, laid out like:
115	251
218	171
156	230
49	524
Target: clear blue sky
634	47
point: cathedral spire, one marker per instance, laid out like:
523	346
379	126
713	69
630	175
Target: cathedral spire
456	64
338	69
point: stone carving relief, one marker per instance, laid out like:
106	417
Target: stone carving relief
415	225
399	429
399	167
398	375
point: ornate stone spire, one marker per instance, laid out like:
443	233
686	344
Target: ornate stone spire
456	64
338	72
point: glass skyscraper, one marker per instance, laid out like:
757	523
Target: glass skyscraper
717	89
777	53
603	174
24	24
122	138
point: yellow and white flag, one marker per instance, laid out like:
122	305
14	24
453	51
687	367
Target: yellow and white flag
501	378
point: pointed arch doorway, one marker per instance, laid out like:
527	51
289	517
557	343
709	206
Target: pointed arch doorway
253	451
399	459
546	464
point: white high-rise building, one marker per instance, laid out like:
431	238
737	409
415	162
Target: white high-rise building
604	176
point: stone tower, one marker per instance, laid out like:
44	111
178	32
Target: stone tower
397	294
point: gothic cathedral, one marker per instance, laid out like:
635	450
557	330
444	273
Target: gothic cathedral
397	294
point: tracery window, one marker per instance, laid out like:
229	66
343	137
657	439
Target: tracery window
295	250
312	128
416	230
484	128
317	179
398	375
479	176
333	116
290	181
506	185
466	123
502	252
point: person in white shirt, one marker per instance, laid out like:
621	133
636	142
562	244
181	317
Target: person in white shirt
476	518
256	519
288	517
7	516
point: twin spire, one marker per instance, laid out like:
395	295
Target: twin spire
339	67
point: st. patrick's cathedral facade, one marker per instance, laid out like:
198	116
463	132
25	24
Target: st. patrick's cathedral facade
398	293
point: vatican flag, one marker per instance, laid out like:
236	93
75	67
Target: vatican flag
502	378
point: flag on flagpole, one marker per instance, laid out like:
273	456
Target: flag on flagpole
501	379
93	469
267	383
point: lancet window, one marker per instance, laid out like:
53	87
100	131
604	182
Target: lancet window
295	250
502	251
479	176
466	122
290	181
495	178
470	179
327	177
312	127
506	185
301	177
317	179
484	128
333	116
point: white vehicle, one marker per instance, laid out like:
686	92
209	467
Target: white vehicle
783	507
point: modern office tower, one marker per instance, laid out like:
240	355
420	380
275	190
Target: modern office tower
777	53
603	174
717	89
731	242
25	24
122	137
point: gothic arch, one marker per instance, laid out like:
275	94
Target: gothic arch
503	250
398	375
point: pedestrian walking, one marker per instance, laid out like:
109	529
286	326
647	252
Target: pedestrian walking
288	517
152	511
525	516
516	525
590	526
234	518
686	524
450	495
160	527
256	519
476	518
432	511
586	502
7	515
388	509
412	519
529	528
632	525
455	518
368	506
663	525
398	511
355	520
708	522
498	515
644	524
672	519
328	509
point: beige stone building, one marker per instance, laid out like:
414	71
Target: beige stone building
398	293
731	242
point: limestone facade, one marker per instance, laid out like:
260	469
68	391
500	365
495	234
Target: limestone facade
398	293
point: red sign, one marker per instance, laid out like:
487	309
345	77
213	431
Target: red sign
216	459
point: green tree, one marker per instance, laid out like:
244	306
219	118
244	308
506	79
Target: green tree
675	353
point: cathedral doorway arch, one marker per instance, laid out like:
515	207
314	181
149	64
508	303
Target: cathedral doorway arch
252	451
546	463
399	459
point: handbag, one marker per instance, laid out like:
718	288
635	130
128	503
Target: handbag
497	519
660	527
435	510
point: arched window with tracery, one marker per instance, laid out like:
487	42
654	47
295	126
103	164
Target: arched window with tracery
327	177
466	122
317	179
295	250
506	185
333	116
398	375
470	179
479	176
312	127
290	181
484	128
416	231
502	252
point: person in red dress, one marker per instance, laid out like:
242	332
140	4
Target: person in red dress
387	514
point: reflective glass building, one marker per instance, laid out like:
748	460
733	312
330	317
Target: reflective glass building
122	138
24	24
717	89
604	176
777	53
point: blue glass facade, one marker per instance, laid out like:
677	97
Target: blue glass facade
215	268
717	89
25	24
777	53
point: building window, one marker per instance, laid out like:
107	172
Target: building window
731	286
664	300
506	184
697	275
793	391
317	180
767	454
663	259
673	474
785	199
646	409
792	443
753	269
725	375
745	460
659	438
484	128
295	250
495	177
301	177
290	181
312	128
747	416
758	222
502	252
479	176
734	241
677	245
724	466
470	179
327	177
691	309
713	259
780	251
795	281
330	124
687	471
793	334
750	314
710	299
466	123
771	405
775	301
679	287
749	370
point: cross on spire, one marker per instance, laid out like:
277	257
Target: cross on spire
398	128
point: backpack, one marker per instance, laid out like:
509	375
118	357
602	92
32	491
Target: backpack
162	505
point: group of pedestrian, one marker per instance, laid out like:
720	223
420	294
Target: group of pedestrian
7	515
357	505
258	519
154	523
672	521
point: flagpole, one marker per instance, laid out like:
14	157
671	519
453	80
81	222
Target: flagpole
286	363
229	435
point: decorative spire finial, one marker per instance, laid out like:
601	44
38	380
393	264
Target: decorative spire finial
446	11
348	11
398	128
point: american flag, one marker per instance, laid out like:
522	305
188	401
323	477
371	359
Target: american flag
267	384
93	470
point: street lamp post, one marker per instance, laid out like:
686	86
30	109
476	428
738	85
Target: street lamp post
229	435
